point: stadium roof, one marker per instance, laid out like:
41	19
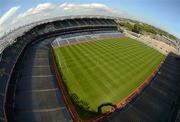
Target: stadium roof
9	38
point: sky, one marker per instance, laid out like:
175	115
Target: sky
164	14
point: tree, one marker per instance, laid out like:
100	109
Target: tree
136	28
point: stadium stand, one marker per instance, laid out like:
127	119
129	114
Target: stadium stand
80	37
22	101
13	104
8	60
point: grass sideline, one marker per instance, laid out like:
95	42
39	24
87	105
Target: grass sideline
101	72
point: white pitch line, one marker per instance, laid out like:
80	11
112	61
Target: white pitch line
43	76
39	66
42	53
44	110
40	90
42	58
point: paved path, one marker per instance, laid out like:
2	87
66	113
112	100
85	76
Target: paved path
37	97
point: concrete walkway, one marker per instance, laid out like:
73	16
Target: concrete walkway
37	97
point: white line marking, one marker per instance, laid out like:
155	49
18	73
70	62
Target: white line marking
40	66
43	76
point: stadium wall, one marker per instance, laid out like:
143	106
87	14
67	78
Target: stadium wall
36	38
31	37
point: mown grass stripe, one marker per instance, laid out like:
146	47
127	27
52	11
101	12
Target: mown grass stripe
108	70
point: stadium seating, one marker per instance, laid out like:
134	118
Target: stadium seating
85	36
78	30
11	55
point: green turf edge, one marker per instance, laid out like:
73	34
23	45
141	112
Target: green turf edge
80	106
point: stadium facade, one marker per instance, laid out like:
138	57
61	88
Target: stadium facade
28	94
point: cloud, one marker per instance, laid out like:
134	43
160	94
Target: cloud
41	8
49	10
95	7
8	15
5	20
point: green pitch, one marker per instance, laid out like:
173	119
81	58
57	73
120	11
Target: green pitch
105	71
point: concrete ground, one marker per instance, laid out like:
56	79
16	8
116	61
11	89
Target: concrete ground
158	45
37	96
